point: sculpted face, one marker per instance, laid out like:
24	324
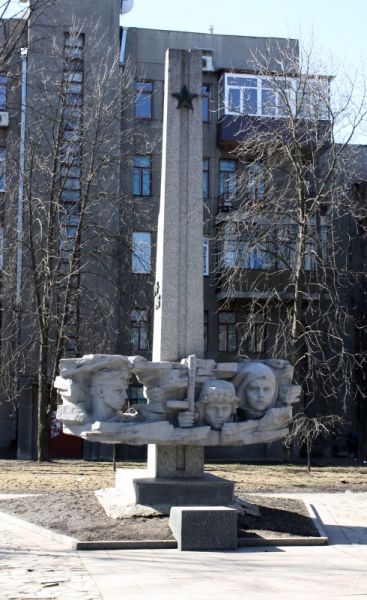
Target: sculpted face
259	394
218	401
111	385
217	414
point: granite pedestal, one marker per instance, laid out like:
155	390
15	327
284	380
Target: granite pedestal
204	527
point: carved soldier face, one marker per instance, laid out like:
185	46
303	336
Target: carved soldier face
216	414
111	386
259	394
217	402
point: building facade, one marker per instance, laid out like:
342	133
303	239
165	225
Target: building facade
92	138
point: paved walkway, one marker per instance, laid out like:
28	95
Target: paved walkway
31	568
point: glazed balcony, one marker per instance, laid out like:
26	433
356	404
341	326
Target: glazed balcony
260	107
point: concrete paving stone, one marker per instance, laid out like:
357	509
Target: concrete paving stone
339	571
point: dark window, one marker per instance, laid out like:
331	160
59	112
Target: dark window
141	252
70	155
205	178
206	256
256	336
142	176
3	81
227	176
2	169
205	103
227	332
143	99
135	393
255	182
139	330
206	330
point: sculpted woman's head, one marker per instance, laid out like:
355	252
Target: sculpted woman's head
256	390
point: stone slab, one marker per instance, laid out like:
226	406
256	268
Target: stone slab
139	487
204	527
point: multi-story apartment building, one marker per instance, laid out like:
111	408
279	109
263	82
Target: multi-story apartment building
91	128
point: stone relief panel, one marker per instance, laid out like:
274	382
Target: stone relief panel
194	401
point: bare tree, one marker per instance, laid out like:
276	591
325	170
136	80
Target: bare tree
286	225
306	430
71	236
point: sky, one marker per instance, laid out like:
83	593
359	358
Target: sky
333	31
337	26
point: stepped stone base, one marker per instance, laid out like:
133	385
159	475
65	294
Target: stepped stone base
141	488
136	492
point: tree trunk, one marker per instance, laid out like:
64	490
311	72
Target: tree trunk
308	450
42	404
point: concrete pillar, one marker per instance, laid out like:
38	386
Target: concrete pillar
179	302
179	305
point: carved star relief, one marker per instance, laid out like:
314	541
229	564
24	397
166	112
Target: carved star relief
185	98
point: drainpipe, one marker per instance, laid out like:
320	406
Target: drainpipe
22	452
23	112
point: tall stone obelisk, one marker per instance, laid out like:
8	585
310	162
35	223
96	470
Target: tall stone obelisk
179	308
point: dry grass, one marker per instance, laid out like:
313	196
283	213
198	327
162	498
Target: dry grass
64	475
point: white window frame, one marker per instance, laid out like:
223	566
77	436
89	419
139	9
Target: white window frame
263	83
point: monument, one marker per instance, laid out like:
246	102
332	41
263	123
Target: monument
192	402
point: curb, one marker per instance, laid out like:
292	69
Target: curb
316	520
74	544
127	545
289	541
67	541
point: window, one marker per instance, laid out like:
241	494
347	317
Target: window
254	95
2	169
313	98
70	155
206	318
141	252
3	82
205	103
316	245
139	330
227	182
256	335
143	99
136	394
227	332
245	252
142	177
271	247
205	178
274	96
206	256
1	247
255	183
69	231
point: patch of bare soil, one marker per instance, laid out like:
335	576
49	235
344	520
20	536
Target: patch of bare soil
79	515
